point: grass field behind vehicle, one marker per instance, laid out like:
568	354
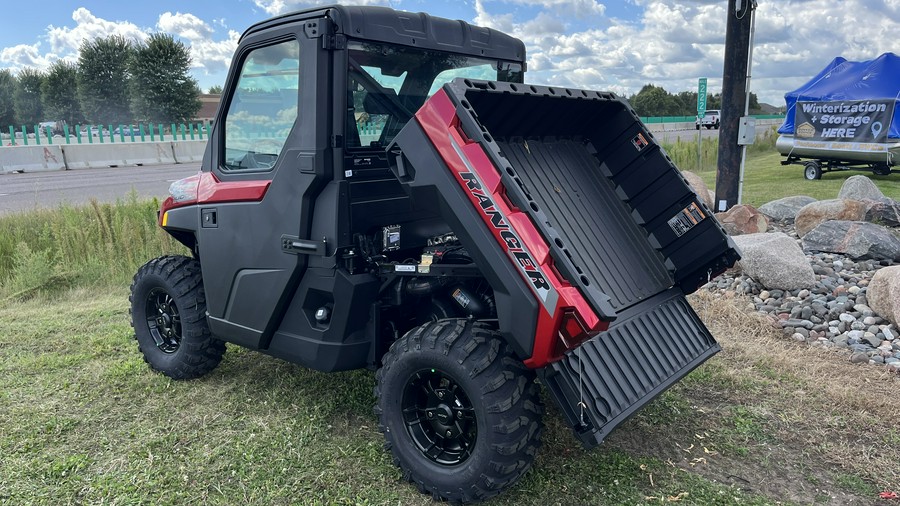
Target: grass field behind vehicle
84	420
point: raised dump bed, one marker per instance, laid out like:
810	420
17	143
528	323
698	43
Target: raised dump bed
607	209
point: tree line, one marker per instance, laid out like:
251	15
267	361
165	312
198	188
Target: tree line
114	81
656	101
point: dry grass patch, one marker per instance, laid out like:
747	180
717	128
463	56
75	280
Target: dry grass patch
827	421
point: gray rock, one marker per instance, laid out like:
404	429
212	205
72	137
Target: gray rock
816	213
872	340
871	320
847	318
859	358
856	239
785	209
884	294
775	261
863	309
860	188
885	212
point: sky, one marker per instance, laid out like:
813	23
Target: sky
606	45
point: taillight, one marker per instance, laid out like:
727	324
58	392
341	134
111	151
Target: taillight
572	333
181	193
184	191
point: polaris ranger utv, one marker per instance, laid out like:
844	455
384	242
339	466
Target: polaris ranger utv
381	190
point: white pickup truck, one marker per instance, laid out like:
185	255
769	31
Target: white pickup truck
709	120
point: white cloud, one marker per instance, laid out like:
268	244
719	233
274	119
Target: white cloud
206	53
24	55
187	26
87	26
212	55
576	7
275	7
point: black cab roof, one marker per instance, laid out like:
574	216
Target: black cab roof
418	29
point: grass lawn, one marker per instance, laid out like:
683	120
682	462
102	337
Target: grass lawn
765	179
85	421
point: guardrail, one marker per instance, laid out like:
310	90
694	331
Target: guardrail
649	120
104	134
46	157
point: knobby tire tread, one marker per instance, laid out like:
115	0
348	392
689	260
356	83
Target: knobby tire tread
199	352
507	388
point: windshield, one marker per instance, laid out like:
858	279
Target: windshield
387	84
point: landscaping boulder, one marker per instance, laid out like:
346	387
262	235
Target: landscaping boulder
785	209
814	213
856	239
775	261
883	293
860	188
699	187
743	219
884	212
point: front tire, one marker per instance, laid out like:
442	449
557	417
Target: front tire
460	414
168	313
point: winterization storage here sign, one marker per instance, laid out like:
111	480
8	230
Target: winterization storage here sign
846	121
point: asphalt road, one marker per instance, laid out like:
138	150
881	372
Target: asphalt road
22	192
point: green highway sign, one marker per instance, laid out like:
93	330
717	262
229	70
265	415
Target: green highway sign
701	97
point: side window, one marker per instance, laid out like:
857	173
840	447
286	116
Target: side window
263	108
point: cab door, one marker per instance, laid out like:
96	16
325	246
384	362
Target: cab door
268	154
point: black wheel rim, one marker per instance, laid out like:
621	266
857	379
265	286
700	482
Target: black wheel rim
163	320
439	417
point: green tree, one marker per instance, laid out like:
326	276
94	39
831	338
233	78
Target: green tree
215	90
754	103
687	103
162	89
59	93
7	103
654	101
103	79
27	97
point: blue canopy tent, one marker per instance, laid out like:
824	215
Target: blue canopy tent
843	80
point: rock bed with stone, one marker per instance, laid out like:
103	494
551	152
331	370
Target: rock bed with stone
833	313
824	272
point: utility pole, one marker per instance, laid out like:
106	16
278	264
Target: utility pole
737	48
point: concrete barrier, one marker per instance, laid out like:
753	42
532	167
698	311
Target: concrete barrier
85	156
31	159
188	151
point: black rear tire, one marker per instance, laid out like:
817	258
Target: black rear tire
460	414
168	313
